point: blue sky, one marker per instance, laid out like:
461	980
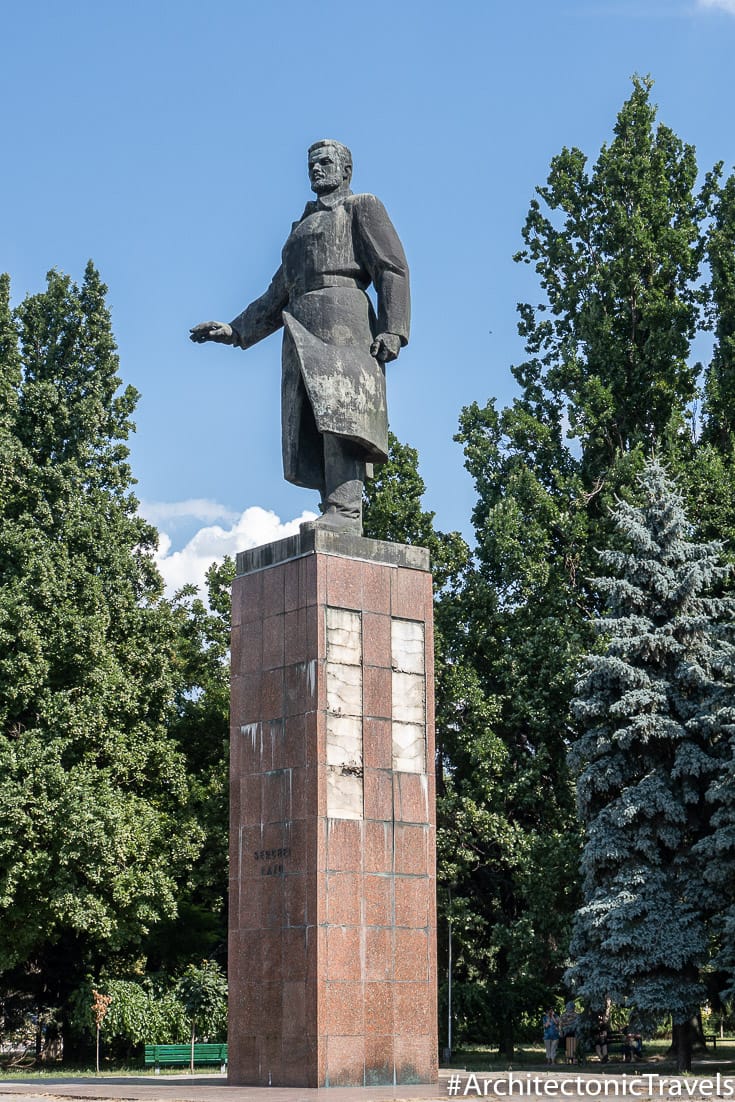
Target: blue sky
167	140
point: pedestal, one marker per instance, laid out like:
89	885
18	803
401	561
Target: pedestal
332	866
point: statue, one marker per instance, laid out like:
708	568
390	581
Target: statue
333	410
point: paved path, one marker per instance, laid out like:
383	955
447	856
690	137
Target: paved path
453	1086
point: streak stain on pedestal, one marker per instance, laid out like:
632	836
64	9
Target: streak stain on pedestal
332	864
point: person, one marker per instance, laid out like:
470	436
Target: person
551	1034
568	1024
333	407
600	1039
632	1045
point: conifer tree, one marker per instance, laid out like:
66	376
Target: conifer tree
656	708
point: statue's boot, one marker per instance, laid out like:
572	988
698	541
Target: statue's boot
344	474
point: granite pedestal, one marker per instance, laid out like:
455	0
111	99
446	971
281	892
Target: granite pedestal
332	873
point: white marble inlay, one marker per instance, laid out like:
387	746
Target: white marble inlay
344	740
344	794
409	748
409	696
344	636
344	714
407	644
344	689
409	699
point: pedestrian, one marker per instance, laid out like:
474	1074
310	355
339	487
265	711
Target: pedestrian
551	1034
568	1024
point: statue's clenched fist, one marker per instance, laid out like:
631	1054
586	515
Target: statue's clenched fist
218	331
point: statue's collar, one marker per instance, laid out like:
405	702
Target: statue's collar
333	199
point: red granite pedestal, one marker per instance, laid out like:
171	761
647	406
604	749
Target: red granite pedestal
332	872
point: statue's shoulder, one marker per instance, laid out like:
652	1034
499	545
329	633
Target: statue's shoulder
365	204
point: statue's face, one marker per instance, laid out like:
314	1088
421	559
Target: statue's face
325	169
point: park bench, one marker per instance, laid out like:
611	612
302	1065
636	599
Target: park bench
710	1039
180	1055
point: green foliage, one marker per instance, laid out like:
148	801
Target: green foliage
93	790
203	993
656	707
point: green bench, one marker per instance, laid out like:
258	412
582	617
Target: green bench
169	1056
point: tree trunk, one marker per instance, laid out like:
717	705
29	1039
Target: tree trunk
682	1045
193	1029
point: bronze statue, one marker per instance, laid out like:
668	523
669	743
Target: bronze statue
333	410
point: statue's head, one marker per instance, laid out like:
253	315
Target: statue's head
330	166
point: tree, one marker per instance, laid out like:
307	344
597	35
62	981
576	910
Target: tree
617	246
203	991
93	790
656	708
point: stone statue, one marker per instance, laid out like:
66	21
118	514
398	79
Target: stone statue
333	410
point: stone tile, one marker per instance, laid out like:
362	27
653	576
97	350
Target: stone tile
295	954
248	593
377	750
294	899
251	804
411	853
416	1059
245	702
378	1007
409	592
376	587
344	739
344	845
343	953
299	1063
378	954
300	688
378	846
344	637
247	911
344	792
344	583
296	639
291	594
376	640
307	581
376	692
412	901
344	689
407	646
301	793
275	796
377	900
412	955
343	899
409	698
409	748
247	648
378	787
295	748
269	1056
272	695
345	1061
411	797
378	1061
343	1009
273	628
273	591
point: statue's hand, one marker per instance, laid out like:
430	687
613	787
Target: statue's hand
218	331
385	347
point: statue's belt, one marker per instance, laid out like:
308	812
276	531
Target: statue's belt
323	282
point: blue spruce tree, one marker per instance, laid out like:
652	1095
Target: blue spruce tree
656	708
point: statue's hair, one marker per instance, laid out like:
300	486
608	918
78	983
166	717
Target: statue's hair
344	154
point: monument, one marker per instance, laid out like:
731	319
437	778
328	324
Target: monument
332	909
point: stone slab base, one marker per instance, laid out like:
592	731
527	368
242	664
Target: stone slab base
332	888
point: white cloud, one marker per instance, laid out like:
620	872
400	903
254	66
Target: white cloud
724	5
189	565
197	508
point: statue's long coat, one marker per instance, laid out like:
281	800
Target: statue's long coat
330	382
